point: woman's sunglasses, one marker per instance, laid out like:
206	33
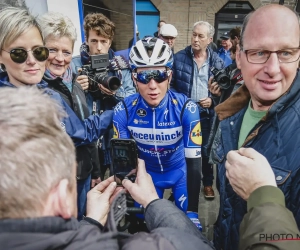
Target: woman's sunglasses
145	76
20	55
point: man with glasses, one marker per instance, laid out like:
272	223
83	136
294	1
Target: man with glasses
164	124
168	34
262	114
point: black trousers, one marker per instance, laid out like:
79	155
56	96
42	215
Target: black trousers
207	169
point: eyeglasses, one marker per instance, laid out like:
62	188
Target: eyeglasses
19	55
259	56
145	76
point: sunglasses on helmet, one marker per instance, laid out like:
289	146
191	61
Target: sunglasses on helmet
19	55
145	76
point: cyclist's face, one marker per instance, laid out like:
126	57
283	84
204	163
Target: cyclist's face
153	92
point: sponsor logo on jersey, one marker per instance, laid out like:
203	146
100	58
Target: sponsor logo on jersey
118	107
166	113
182	200
160	124
140	121
159	151
134	102
161	137
196	135
191	106
192	152
141	112
116	133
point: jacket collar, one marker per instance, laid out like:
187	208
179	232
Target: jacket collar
240	99
38	225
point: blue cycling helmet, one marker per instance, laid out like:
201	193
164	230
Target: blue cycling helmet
149	52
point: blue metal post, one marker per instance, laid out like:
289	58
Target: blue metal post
80	8
134	20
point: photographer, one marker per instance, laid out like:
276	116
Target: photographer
235	77
99	32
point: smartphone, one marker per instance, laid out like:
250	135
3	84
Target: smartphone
124	159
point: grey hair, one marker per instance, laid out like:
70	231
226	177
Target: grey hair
210	28
58	25
35	152
13	22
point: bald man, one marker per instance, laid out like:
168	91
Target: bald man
262	114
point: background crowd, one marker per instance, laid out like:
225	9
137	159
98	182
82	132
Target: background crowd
57	119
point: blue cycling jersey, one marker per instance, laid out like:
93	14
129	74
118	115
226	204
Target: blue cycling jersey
165	135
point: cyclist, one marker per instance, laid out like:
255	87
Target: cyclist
164	124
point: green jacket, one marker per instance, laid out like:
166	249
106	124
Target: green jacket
268	223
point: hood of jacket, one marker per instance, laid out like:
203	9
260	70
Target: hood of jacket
47	233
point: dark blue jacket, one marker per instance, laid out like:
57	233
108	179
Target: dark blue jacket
82	132
276	137
183	69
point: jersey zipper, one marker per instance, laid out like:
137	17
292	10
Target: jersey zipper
155	145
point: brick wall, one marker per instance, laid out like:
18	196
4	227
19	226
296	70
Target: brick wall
181	13
122	18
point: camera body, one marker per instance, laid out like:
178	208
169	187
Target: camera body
228	76
97	73
221	77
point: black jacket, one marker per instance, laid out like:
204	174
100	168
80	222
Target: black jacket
171	230
87	159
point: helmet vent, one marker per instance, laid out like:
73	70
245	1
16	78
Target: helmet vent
137	53
163	48
160	62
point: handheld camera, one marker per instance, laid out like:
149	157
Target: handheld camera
97	72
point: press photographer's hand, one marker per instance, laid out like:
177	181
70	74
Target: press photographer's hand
83	80
214	88
143	190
